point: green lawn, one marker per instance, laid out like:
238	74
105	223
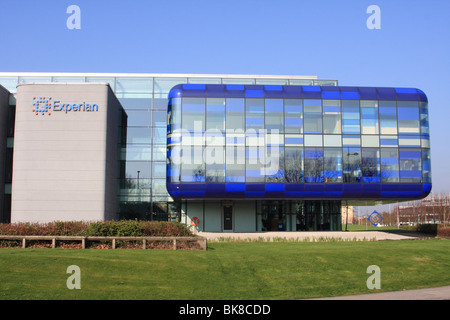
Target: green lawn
247	270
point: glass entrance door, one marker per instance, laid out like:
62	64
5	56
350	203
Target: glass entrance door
227	210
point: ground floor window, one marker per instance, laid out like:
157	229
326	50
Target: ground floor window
307	215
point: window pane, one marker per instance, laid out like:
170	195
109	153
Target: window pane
254	160
350	117
174	115
235	163
426	165
293	113
331	116
136	152
389	165
141	118
173	164
274	164
410	165
135	101
163	85
235	114
408	117
215	114
388	117
424	123
215	164
134	85
158	170
313	165
274	119
139	135
254	118
159	118
193	113
371	164
369	117
312	116
332	158
293	164
205	80
352	164
192	166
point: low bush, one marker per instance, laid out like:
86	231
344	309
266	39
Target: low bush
443	232
122	228
430	229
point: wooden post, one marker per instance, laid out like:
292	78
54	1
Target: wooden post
174	244
83	243
24	243
144	244
114	243
53	243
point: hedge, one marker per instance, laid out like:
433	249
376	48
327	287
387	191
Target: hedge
122	228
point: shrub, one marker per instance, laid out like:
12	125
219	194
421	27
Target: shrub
443	232
122	228
430	229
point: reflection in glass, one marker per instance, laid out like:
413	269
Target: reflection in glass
389	165
313	165
332	159
331	116
293	113
352	165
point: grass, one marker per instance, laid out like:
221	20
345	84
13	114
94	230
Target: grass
241	270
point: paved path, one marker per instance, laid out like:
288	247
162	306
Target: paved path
440	293
310	235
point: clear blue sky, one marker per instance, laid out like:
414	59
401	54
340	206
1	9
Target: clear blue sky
284	37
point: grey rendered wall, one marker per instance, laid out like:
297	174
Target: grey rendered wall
4	102
64	163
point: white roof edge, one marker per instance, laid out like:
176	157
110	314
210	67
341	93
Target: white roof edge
156	75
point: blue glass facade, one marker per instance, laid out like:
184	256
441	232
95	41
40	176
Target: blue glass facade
286	142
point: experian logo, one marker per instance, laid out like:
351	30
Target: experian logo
43	105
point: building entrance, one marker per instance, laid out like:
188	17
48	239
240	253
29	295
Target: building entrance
227	217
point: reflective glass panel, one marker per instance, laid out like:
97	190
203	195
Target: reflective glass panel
369	117
313	165
134	85
235	164
371	164
410	164
293	115
312	116
293	163
426	165
215	114
350	117
274	117
352	165
408	117
424	123
274	164
332	162
235	114
388	117
331	116
193	113
163	85
254	161
254	117
389	165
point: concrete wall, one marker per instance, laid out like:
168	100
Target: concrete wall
65	163
4	103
